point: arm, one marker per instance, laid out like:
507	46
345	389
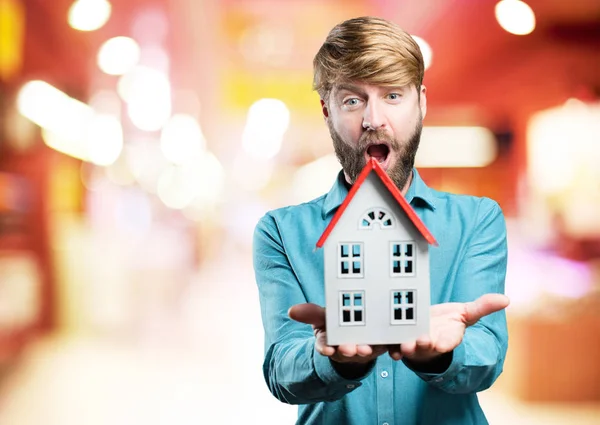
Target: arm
294	371
477	361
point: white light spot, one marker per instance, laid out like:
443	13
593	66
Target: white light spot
104	139
267	122
182	139
314	179
148	95
448	147
118	55
425	50
89	15
515	16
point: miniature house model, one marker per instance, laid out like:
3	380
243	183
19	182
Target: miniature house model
376	263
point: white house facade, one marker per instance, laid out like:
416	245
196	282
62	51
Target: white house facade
376	262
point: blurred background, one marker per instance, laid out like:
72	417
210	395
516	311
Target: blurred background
141	140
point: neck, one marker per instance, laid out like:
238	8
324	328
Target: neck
407	185
348	183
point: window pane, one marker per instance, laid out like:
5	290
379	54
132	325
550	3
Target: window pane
397	314
356	267
408	266
409	250
409	297
397	267
396	250
409	313
344	265
358	315
346	316
344	250
397	298
346	300
371	215
365	223
356	250
387	223
358	299
381	215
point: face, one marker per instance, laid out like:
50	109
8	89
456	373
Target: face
367	121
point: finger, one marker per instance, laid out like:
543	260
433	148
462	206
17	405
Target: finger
448	343
423	344
394	352
408	348
347	350
322	347
364	350
484	305
308	313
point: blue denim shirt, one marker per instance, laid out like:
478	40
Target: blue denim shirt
470	261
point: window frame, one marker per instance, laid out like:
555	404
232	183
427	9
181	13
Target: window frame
402	258
350	259
403	306
352	308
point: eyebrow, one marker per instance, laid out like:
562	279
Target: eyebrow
355	89
351	88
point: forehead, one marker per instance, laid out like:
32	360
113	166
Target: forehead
362	87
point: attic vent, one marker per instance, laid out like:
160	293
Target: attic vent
376	215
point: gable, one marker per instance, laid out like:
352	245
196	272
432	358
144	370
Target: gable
370	193
373	208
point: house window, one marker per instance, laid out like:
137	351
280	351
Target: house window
403	307
352	308
350	260
403	259
376	216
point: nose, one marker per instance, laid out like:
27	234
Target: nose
373	117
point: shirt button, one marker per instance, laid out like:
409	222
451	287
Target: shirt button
350	386
439	379
384	374
385	423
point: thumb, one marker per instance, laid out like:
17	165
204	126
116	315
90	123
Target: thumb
308	313
484	305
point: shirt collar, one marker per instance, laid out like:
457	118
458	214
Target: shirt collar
417	192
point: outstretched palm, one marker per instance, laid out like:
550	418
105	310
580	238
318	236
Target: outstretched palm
448	325
449	322
314	315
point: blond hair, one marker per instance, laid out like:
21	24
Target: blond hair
367	49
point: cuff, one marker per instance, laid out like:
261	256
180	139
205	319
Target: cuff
326	372
444	380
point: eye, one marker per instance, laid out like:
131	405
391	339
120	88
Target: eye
353	101
394	96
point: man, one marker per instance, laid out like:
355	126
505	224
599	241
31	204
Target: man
369	76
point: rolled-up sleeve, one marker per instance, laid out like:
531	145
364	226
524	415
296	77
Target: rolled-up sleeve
294	371
478	360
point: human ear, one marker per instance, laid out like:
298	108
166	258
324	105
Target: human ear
423	100
324	109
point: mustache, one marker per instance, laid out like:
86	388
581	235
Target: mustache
376	137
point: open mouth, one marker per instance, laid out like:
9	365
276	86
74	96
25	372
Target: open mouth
379	151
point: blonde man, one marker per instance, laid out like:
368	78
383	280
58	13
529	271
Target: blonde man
369	75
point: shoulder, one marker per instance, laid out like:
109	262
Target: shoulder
306	211
476	205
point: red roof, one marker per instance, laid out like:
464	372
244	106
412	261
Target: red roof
373	165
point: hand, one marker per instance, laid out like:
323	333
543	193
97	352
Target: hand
449	321
314	315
